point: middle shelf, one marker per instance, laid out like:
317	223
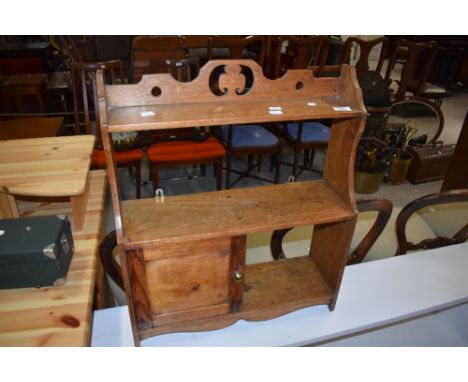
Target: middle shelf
231	213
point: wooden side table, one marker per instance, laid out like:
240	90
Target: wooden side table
46	167
18	90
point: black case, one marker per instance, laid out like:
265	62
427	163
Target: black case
35	251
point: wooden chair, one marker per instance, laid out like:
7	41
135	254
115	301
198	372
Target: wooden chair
432	203
148	51
427	116
301	52
250	140
418	62
365	48
84	87
382	206
183	147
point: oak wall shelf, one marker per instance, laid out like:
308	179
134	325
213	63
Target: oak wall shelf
183	260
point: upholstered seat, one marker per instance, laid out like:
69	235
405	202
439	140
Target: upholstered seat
183	151
311	132
246	136
123	158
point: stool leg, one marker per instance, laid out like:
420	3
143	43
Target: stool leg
154	176
138	179
277	168
219	173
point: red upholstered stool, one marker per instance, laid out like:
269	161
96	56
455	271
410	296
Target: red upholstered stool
184	152
127	158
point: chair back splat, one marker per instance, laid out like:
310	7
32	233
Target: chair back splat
129	153
418	60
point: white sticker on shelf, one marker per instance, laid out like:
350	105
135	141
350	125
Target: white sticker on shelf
342	108
273	108
276	112
147	113
310	103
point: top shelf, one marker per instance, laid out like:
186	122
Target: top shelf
155	117
228	92
231	213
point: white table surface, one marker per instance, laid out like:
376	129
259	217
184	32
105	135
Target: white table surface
372	295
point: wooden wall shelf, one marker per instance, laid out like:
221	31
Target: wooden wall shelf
183	260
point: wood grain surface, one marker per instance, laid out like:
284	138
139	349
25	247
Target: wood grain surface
230	213
58	316
45	166
300	95
222	94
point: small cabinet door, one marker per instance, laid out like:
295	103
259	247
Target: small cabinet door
191	280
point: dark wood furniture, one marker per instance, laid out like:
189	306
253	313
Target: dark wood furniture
444	197
31	127
146	49
457	174
300	53
382	206
418	59
236	47
24	57
183	259
365	48
84	88
24	93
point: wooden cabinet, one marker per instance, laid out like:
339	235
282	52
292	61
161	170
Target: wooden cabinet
183	259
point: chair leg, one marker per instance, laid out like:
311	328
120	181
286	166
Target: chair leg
277	168
249	162
306	158
203	170
138	180
259	166
228	171
154	176
219	173
294	169
311	159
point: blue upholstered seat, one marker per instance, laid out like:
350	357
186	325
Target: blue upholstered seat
311	132
245	136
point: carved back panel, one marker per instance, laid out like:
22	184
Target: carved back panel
221	81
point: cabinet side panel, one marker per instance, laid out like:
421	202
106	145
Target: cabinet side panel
139	291
341	152
330	250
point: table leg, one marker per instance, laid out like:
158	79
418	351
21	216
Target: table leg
78	205
8	207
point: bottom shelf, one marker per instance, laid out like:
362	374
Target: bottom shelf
282	286
270	290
